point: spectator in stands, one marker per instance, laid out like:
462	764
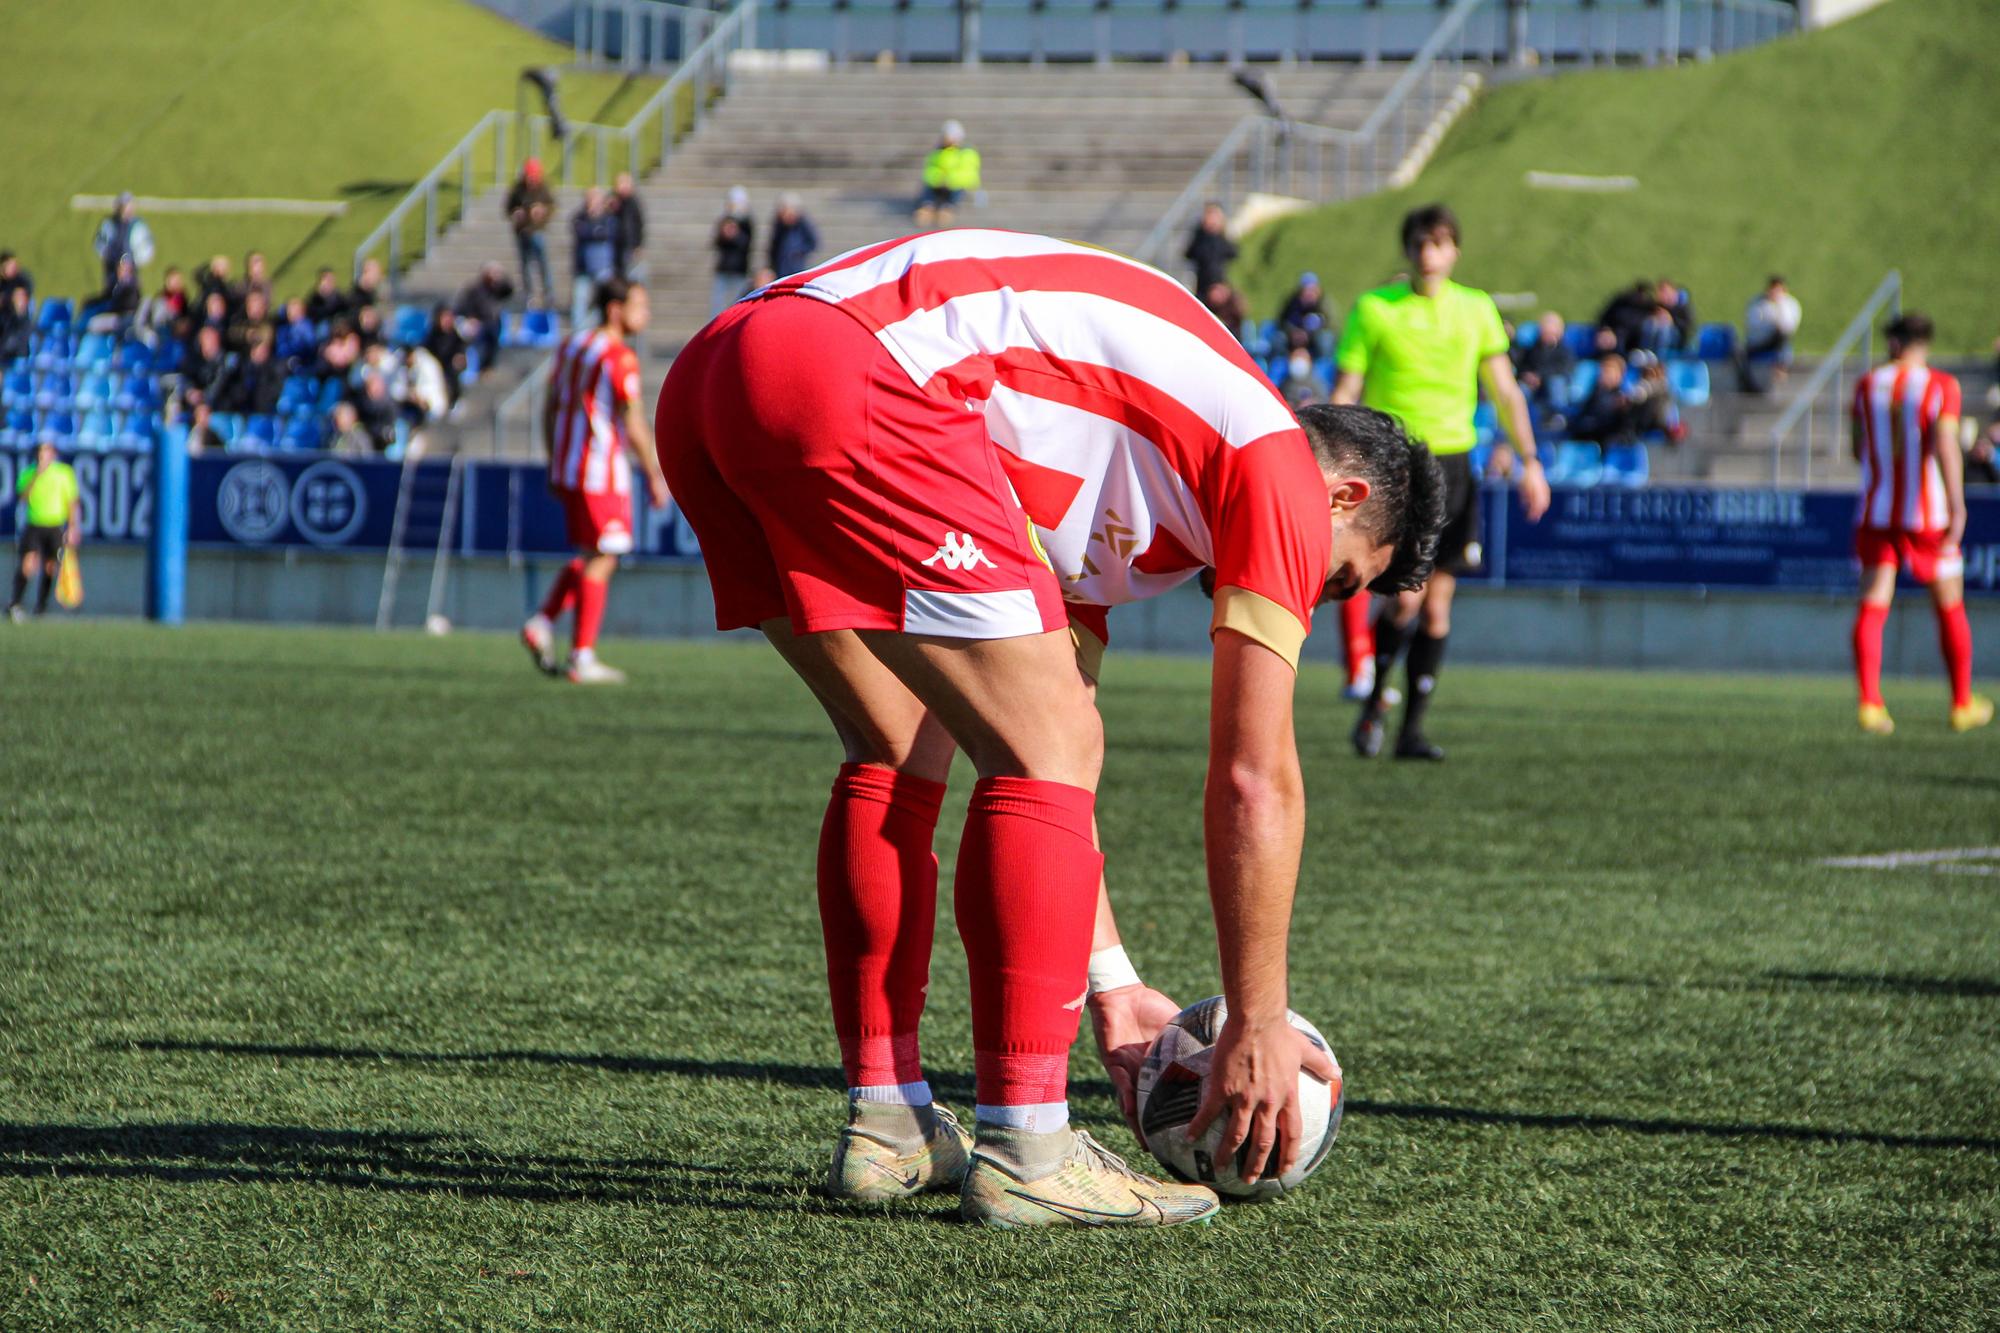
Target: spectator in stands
1604	416
530	205
1303	321
255	380
447	347
1769	325
949	172
339	354
296	342
205	369
213	314
793	237
160	310
1210	250
595	233
123	235
112	309
17	325
257	276
1301	386
326	302
1982	460
1543	367
375	408
481	307
1227	304
368	286
12	275
734	238
1650	403
421	391
1679	307
214	280
202	434
368	326
253	321
1619	323
630	211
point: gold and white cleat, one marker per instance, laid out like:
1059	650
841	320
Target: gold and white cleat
1976	713
876	1160
1090	1186
1875	719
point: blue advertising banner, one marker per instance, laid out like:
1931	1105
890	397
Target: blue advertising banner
1656	537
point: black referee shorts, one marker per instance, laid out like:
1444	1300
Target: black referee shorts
45	542
1461	512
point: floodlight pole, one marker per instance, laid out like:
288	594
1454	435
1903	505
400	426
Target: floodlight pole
167	544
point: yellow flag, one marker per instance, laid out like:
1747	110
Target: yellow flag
69	580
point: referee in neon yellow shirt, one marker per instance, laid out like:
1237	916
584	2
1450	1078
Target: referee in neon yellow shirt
1418	350
48	488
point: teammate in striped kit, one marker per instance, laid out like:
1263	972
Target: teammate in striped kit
927	470
593	419
1911	514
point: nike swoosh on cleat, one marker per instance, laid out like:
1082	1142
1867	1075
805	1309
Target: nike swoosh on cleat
1091	1216
908	1184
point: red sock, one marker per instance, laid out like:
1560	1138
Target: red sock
589	611
1025	898
1868	651
563	591
1358	634
877	910
1955	639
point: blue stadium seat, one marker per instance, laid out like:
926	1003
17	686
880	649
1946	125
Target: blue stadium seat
95	350
95	391
18	389
20	425
1485	423
1582	380
228	427
299	391
1581	339
96	431
301	433
1690	382
1717	342
262	429
1479	456
61	424
409	325
1577	464
56	315
139	393
1626	465
134	355
56	391
539	328
54	353
1263	337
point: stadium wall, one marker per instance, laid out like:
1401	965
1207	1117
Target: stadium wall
1557	627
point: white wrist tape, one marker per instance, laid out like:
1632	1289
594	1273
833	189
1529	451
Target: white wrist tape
1110	969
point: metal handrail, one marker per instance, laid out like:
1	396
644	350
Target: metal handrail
522	396
1859	330
704	72
1273	138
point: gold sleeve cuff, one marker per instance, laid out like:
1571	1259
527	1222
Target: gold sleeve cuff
1089	651
1257	617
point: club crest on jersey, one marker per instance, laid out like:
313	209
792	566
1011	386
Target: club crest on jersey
958	552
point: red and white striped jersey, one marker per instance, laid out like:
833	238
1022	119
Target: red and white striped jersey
1141	439
594	379
1897	409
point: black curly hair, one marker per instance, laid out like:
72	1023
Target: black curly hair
1406	505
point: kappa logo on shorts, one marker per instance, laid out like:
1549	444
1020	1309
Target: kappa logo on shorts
958	552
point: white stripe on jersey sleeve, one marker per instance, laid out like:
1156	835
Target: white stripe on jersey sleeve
963	243
1099	331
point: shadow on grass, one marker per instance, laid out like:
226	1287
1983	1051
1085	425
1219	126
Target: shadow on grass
949	1085
393	1161
1689	1128
1861	982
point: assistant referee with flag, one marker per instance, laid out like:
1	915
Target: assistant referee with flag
1418	351
48	488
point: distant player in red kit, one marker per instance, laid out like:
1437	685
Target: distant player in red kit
1912	515
928	471
592	426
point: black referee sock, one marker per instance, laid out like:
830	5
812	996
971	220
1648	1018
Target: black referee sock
1426	657
48	585
1388	645
20	587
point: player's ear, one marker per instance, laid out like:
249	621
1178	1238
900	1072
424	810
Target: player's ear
1349	494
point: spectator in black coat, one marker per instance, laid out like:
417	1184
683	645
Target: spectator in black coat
480	308
367	288
375	410
630	211
530	205
257	277
734	238
254	382
112	309
793	237
1982	460
1303	320
297	341
1543	368
595	231
1210	250
205	369
1604	416
327	302
1619	323
447	345
252	322
214	280
17	325
12	275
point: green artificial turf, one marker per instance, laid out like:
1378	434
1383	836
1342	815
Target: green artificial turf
1830	159
350	100
360	981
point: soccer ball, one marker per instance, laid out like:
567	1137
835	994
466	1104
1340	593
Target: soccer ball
1170	1086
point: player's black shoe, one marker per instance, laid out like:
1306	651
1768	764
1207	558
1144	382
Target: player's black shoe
1413	746
1368	733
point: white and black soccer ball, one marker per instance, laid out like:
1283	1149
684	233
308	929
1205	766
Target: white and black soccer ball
1170	1088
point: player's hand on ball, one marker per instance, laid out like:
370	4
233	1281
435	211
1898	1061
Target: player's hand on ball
1125	1021
1253	1087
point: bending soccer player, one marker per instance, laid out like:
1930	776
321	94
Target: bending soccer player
900	465
1911	515
593	424
1418	351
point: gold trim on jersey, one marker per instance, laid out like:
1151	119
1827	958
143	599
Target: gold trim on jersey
1258	618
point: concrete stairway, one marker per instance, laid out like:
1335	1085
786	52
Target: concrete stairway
1089	154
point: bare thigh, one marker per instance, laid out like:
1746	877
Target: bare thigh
876	717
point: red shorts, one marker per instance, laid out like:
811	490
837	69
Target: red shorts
1924	554
826	487
600	523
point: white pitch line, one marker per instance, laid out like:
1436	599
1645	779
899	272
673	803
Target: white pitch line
319	208
1563	180
1898	860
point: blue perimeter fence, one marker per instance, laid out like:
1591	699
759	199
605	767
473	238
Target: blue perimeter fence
1653	537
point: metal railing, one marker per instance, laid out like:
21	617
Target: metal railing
636	35
492	150
1264	155
524	401
1853	351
